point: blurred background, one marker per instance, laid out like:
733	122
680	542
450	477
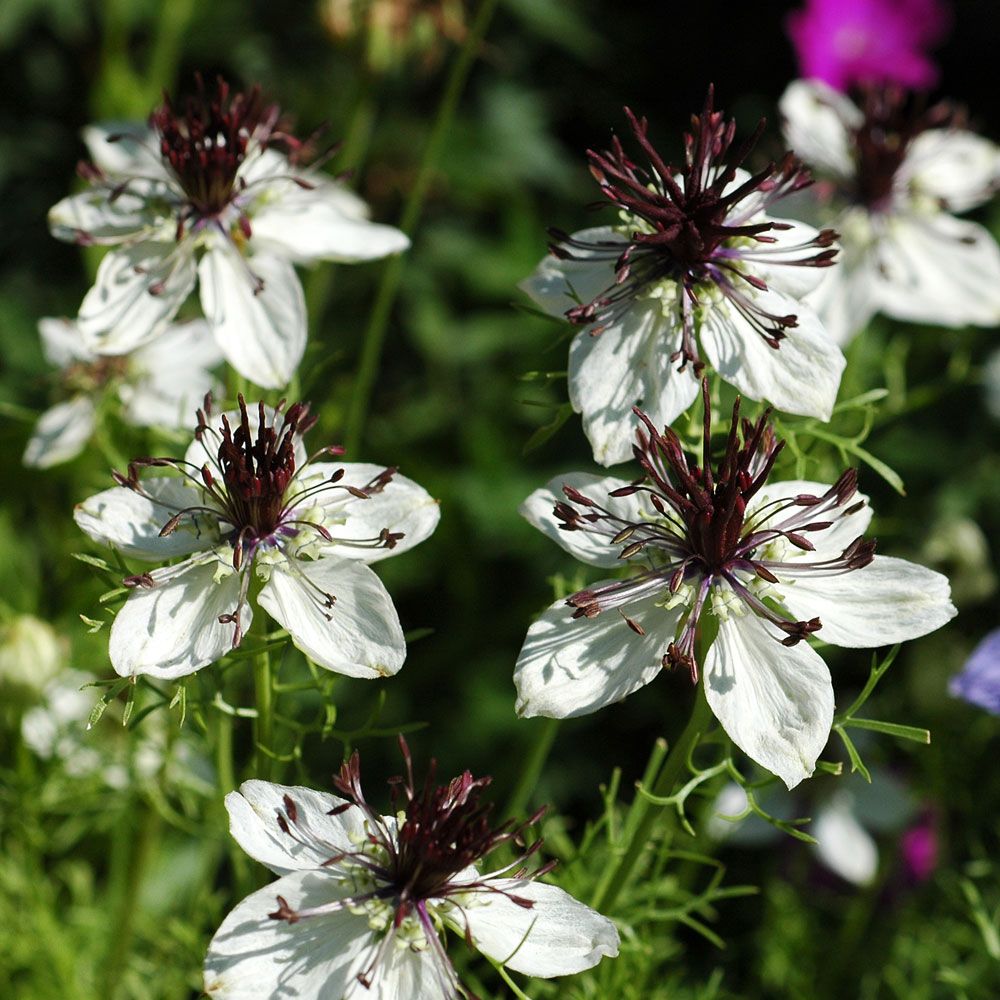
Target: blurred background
462	405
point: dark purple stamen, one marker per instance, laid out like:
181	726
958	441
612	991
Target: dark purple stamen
699	534
689	222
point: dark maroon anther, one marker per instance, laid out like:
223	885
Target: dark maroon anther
713	532
688	225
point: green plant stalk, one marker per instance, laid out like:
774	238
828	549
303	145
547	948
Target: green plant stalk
378	321
538	754
263	727
666	781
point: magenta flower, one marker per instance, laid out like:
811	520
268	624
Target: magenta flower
845	42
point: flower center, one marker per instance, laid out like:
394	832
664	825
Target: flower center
881	142
205	141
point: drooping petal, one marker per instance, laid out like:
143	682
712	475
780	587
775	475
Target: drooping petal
843	844
253	812
253	956
132	523
556	936
401	506
557	285
62	343
888	601
584	545
774	701
169	377
628	364
173	628
958	169
574	666
138	290
938	269
818	122
359	635
262	331
61	433
305	226
801	375
92	217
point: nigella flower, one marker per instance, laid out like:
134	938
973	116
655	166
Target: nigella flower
249	502
363	900
846	42
978	682
696	264
895	175
156	384
206	197
773	563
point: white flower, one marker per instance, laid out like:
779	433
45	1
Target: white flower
158	384
251	503
31	653
205	198
696	263
896	178
363	900
773	563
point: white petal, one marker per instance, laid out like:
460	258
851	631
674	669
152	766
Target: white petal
132	523
842	843
801	376
573	666
847	297
253	823
172	629
627	364
818	123
557	285
360	636
401	506
959	169
61	433
252	956
62	342
134	151
557	936
584	545
120	312
888	601
776	263
774	701
169	377
938	269
312	225
90	217
262	335
830	542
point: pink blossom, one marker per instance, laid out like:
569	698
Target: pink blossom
844	42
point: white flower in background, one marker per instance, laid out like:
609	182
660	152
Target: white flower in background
695	264
31	653
364	900
249	502
774	563
204	197
158	384
895	178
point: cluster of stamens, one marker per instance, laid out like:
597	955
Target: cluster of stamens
693	226
891	122
409	862
702	538
252	492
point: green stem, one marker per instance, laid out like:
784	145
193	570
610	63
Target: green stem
263	729
545	736
378	321
667	780
227	783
